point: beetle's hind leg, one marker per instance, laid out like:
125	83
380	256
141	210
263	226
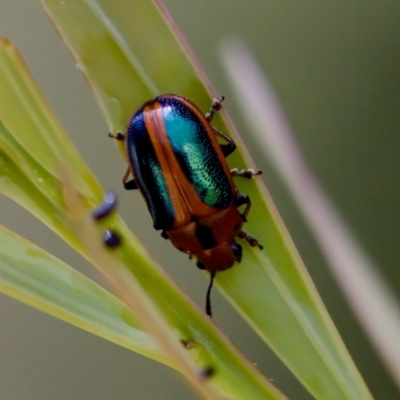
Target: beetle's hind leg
129	184
230	147
117	136
250	240
215	107
245	173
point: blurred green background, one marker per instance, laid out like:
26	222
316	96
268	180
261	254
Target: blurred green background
335	67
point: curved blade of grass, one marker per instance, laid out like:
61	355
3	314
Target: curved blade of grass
367	291
33	276
131	293
140	57
24	179
19	90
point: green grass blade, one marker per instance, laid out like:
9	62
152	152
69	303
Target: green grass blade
271	289
136	56
31	275
43	136
31	179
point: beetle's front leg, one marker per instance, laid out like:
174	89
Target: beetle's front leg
250	240
129	184
164	234
245	173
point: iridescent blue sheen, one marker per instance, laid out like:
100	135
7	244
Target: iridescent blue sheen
148	173
194	152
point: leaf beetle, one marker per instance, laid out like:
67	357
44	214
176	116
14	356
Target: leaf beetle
180	168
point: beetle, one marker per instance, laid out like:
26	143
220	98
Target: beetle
180	168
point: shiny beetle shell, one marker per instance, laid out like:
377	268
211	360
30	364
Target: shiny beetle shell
180	168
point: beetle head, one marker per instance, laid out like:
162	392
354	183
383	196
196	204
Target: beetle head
220	257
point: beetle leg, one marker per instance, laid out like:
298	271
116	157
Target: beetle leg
239	201
117	136
250	240
228	148
215	107
129	185
200	265
245	173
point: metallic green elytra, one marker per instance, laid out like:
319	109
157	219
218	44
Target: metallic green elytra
173	138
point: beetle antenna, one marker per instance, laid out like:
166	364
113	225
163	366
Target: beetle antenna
208	297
